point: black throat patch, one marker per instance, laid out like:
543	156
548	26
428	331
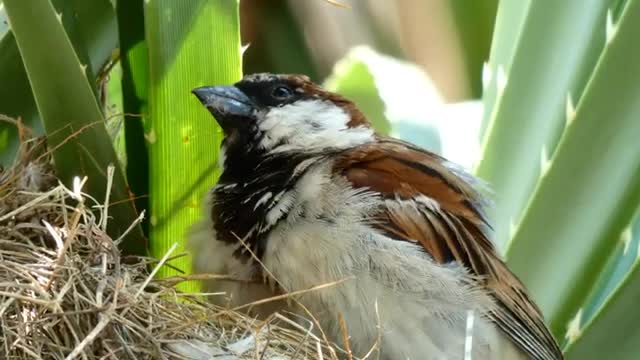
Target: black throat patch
241	204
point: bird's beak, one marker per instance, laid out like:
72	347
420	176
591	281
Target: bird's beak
226	103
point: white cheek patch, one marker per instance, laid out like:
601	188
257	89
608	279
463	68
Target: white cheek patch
310	125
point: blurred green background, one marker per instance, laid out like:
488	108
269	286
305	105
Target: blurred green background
541	99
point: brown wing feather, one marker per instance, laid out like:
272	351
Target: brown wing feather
454	230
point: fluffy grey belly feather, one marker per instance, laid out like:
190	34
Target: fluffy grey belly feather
391	294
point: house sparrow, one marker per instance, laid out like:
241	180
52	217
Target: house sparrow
309	194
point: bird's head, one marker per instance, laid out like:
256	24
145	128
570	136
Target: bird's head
267	114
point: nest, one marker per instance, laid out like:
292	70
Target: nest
66	292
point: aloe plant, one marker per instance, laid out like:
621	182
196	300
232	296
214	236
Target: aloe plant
90	26
551	62
190	44
561	149
70	112
596	328
134	92
474	22
273	33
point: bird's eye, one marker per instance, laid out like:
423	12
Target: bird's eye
281	92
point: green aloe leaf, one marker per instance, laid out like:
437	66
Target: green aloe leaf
590	190
276	40
508	26
597	329
90	25
190	43
70	113
16	99
551	63
621	261
134	86
475	23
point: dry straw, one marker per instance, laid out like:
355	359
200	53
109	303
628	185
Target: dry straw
65	291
